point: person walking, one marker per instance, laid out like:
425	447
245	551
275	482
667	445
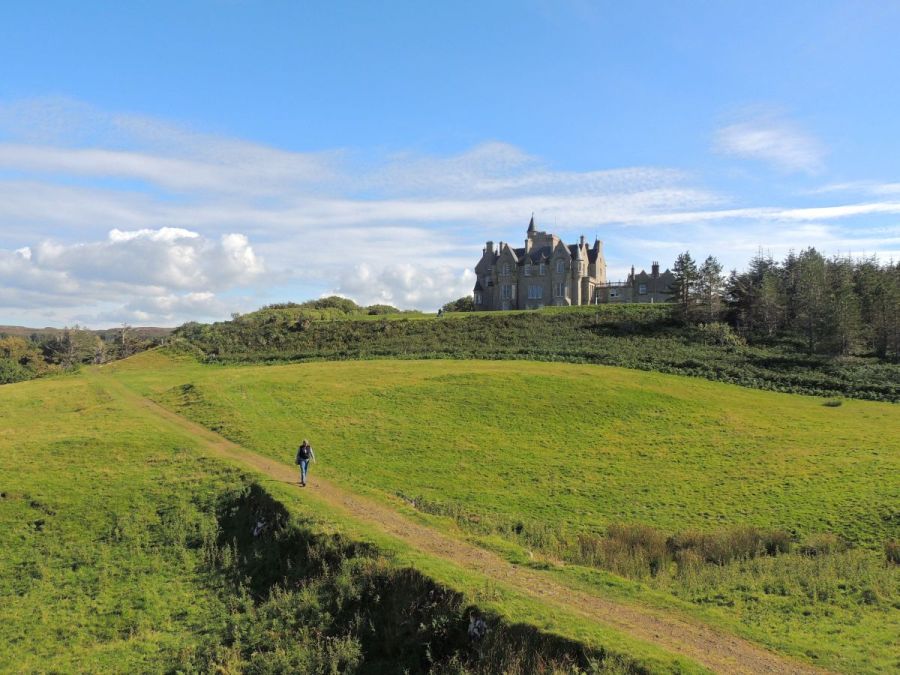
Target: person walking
304	454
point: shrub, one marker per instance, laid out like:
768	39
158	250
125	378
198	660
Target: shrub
463	304
718	333
381	309
738	543
641	546
822	544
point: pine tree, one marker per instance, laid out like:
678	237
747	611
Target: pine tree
810	298
684	287
710	289
843	323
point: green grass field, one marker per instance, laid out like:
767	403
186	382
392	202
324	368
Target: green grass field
110	521
115	558
535	457
96	512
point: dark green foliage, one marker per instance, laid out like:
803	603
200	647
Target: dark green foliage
710	290
835	306
377	310
647	337
685	289
322	604
11	371
463	304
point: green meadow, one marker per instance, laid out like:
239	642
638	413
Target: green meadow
127	548
557	465
99	511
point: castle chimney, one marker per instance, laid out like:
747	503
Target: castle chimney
582	240
655	269
489	247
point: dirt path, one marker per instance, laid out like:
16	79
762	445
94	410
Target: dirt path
715	650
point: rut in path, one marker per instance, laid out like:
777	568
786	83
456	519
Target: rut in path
720	652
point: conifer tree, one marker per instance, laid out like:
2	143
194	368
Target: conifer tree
710	289
684	287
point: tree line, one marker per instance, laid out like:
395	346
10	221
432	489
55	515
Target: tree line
833	306
23	357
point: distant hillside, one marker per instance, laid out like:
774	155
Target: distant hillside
144	332
647	337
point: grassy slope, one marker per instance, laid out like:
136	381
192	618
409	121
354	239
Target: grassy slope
511	442
582	445
95	509
99	505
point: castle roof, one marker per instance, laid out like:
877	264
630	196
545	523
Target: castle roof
531	227
536	255
514	252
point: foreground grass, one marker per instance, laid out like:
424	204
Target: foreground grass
119	555
540	454
96	510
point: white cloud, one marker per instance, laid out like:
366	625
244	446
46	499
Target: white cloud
776	141
163	273
405	285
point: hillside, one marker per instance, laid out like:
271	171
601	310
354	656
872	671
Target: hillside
645	337
763	514
128	546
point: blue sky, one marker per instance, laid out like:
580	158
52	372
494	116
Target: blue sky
161	162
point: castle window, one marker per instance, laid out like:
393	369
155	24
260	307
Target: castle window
506	269
527	270
642	289
543	269
561	289
535	292
614	292
507	291
560	267
478	298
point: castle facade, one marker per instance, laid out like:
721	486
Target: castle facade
546	271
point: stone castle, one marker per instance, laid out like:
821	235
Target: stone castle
546	271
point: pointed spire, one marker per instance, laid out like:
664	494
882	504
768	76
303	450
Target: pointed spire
531	224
